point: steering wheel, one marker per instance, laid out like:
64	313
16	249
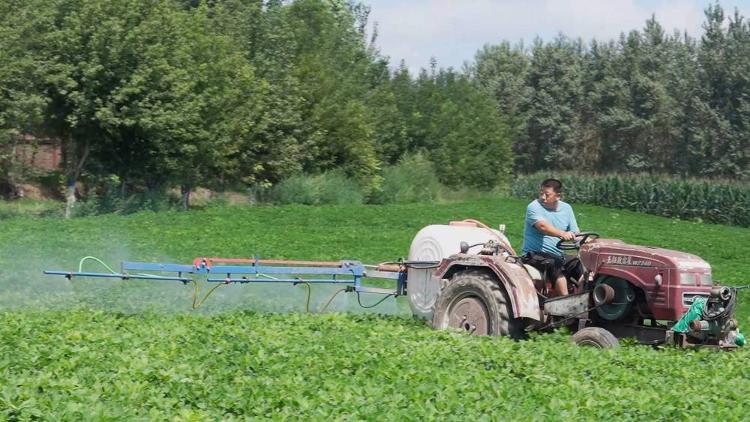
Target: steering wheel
575	244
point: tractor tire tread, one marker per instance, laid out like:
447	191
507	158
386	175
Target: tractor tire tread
480	281
596	337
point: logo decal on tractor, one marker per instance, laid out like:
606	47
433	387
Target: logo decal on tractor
627	260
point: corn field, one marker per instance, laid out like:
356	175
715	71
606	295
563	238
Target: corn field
722	202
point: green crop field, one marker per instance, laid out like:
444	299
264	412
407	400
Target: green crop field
96	349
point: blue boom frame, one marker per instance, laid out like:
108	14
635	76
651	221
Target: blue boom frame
346	272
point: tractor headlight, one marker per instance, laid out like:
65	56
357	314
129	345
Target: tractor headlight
687	279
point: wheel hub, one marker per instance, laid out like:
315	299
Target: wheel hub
470	314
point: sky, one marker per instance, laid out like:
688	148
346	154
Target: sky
452	31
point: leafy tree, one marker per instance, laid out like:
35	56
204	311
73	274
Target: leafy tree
399	117
20	102
471	144
237	93
552	119
725	111
142	89
648	102
501	71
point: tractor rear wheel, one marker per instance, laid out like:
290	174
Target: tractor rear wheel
595	337
475	302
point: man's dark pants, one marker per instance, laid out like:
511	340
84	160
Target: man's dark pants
552	266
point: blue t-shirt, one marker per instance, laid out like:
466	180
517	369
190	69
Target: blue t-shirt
562	218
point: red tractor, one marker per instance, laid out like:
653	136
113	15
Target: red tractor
627	291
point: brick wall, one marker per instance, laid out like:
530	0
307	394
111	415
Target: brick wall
41	154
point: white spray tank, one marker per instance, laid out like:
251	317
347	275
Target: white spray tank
433	243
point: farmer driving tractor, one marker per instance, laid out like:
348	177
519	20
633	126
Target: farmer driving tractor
548	219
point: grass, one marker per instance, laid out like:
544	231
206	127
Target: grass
25	207
112	350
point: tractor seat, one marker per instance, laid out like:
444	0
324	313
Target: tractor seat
535	274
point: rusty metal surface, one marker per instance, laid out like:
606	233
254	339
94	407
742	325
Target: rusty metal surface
661	336
388	267
197	262
511	275
534	273
681	340
469	314
520	288
603	294
568	306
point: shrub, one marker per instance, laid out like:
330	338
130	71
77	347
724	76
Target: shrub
335	188
108	198
328	188
413	179
298	189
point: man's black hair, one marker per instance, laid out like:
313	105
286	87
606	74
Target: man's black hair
555	184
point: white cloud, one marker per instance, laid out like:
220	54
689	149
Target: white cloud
452	31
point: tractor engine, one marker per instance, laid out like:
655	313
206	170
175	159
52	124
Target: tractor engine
653	282
661	286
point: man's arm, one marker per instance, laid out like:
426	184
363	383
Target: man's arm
550	230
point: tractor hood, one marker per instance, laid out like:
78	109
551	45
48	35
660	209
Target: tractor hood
614	252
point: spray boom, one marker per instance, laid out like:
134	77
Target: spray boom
254	270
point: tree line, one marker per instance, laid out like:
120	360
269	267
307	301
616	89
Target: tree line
648	102
241	93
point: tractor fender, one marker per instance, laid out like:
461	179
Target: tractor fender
511	276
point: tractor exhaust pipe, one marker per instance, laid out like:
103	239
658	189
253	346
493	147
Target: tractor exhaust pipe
721	292
603	294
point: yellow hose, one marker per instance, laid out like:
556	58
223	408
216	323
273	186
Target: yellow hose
195	294
323	309
93	258
307	301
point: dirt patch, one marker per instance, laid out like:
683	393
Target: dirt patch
236	198
29	191
201	196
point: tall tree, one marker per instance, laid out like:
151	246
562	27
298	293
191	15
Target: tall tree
552	120
467	140
21	103
501	70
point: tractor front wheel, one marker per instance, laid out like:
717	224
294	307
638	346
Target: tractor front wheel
474	302
595	337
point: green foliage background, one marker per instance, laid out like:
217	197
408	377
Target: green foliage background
230	94
103	349
246	94
648	101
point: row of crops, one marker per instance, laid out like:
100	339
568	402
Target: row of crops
101	366
721	202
